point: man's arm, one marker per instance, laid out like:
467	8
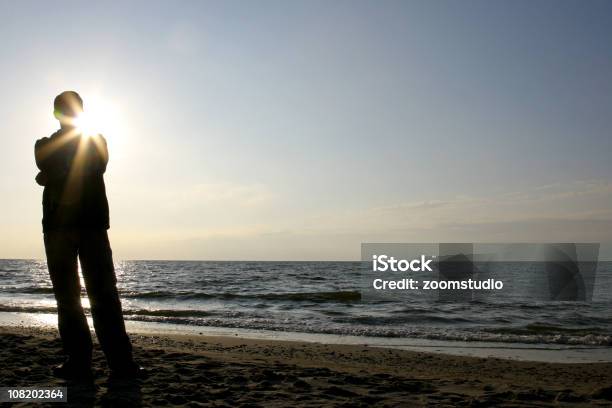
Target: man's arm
40	156
44	150
39	152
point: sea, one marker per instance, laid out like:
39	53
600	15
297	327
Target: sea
325	298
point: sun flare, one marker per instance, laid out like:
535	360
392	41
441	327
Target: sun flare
86	124
101	116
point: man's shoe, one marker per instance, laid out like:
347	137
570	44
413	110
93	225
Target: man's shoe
71	371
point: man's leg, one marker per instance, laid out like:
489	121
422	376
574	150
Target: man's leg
99	275
61	250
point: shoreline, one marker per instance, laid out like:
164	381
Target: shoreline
194	370
545	353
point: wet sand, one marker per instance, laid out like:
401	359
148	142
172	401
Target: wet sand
232	371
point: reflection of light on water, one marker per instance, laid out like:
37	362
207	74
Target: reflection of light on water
50	319
48	302
45	319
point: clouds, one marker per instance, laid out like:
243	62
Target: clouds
580	203
225	194
565	212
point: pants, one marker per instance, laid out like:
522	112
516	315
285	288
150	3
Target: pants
92	248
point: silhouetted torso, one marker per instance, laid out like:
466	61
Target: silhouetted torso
72	169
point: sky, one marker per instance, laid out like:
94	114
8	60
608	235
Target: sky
275	130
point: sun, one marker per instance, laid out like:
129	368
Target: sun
101	116
86	124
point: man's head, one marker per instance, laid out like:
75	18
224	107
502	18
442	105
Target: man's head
67	106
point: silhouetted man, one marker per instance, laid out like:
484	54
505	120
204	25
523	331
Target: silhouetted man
75	223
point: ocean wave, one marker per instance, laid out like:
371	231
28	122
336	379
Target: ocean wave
337	296
427	333
28	309
167	313
529	334
34	290
162	313
317	297
546	329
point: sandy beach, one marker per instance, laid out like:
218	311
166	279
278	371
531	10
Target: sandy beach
188	370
